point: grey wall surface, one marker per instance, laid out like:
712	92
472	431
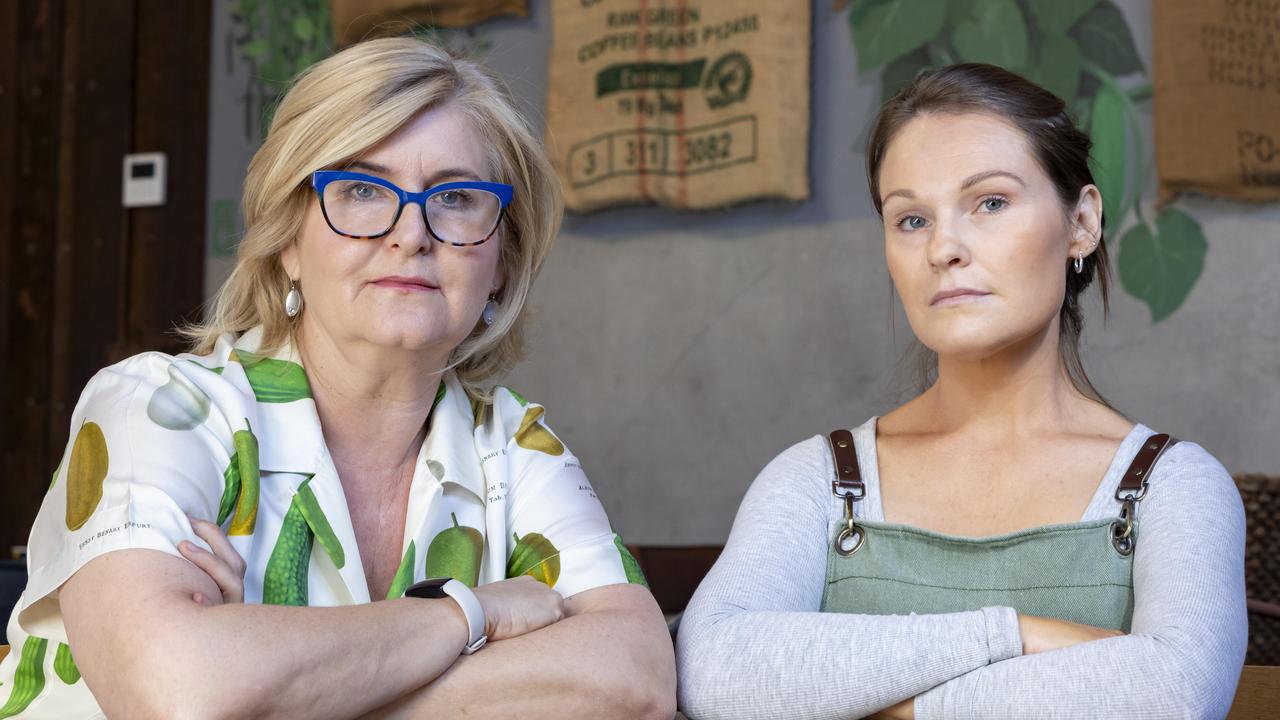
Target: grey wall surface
678	352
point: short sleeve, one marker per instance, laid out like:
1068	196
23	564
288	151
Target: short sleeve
559	528
147	447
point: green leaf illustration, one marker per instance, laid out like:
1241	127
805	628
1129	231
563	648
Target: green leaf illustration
899	73
1105	39
1110	154
1055	17
996	33
1160	269
1059	67
885	30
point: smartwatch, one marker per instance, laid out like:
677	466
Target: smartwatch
436	588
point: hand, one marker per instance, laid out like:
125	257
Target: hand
518	606
1041	634
224	565
905	710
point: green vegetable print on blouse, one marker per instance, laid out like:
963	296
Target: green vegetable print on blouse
285	579
65	665
533	436
178	404
85	475
455	552
272	380
246	461
28	682
404	575
535	556
630	566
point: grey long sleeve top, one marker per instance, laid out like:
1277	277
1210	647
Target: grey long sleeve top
753	644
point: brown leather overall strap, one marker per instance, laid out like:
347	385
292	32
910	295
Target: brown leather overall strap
1133	484
847	486
1133	487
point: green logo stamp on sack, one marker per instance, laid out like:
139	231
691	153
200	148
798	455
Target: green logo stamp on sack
728	81
649	76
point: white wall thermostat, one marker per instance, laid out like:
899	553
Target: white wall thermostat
144	179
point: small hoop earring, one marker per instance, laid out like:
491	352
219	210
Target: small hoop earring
1079	263
293	301
490	313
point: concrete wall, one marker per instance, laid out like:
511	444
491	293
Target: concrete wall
678	352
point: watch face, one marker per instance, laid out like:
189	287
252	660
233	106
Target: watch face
432	588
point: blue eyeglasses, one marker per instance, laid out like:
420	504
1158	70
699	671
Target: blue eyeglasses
361	206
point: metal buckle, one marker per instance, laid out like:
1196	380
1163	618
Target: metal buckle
850	530
848	489
1122	528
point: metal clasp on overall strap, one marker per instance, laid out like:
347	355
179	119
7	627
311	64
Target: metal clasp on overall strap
849	487
1122	527
1133	487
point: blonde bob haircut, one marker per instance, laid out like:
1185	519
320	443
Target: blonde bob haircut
337	110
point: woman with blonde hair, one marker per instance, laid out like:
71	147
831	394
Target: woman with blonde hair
221	521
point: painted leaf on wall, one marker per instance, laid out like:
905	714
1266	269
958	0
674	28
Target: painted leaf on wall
885	30
995	33
1109	161
1059	67
1161	268
899	73
1105	39
1055	17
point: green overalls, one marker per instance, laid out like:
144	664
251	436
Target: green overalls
1081	572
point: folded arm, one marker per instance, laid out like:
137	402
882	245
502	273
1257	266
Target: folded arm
609	658
1189	633
754	644
146	649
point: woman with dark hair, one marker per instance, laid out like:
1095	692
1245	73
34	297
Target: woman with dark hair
1006	544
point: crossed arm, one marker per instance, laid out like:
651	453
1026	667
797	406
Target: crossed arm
152	639
753	643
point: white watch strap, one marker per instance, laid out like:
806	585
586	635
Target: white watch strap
472	610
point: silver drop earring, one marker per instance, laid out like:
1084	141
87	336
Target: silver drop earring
490	313
293	301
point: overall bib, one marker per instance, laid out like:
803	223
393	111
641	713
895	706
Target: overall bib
1081	572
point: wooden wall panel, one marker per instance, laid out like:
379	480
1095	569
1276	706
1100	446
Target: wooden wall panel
83	281
167	255
97	120
32	146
